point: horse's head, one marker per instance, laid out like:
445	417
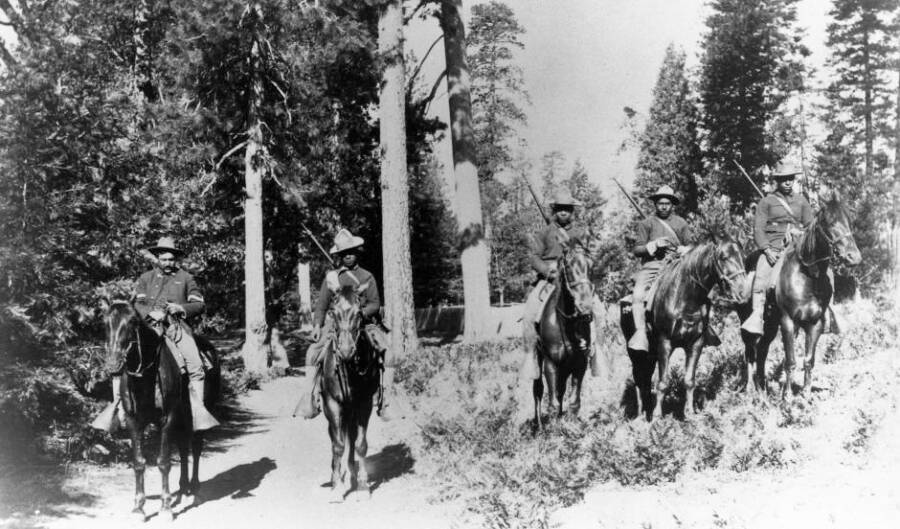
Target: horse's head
729	265
347	319
575	278
834	224
122	326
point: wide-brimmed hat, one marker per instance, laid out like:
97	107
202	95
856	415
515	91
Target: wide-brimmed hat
665	192
786	171
563	197
344	240
164	245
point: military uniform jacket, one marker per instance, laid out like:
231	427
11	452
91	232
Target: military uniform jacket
773	219
652	228
369	300
154	289
547	245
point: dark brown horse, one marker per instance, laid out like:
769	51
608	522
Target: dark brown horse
801	295
153	389
350	380
564	333
679	317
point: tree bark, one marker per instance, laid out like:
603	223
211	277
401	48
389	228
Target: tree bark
255	351
473	249
398	299
304	291
867	95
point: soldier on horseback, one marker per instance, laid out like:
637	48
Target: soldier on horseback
347	248
779	216
547	248
657	236
168	297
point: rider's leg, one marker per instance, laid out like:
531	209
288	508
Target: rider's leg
761	282
113	416
309	388
531	316
642	280
187	346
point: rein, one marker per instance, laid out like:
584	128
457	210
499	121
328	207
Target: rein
141	369
818	231
568	285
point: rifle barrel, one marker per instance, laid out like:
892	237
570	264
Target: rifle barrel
747	176
630	200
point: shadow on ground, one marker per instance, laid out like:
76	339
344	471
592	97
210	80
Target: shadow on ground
236	483
392	462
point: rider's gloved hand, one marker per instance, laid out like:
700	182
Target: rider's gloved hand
175	309
156	315
552	274
316	333
771	255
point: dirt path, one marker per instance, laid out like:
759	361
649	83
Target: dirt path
265	469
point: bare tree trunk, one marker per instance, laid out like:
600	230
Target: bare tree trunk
473	249
867	97
304	291
254	352
398	299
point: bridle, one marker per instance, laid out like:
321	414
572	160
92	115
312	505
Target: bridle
135	344
832	243
569	285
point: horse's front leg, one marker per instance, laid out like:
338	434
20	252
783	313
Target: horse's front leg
575	404
750	344
336	433
196	450
537	389
789	338
813	332
691	359
184	482
136	431
361	447
663	348
164	463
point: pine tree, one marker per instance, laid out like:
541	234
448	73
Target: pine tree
669	144
863	55
747	71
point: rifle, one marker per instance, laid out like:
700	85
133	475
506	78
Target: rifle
537	202
319	246
747	176
631	200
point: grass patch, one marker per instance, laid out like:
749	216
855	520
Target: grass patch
478	448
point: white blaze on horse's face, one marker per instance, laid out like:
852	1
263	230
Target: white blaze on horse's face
346	316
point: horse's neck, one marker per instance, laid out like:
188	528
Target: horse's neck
813	250
698	279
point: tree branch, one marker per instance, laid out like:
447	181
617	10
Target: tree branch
434	88
6	56
15	20
421	4
412	78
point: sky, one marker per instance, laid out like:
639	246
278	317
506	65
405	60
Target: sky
585	60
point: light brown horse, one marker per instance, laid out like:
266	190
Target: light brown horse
801	296
564	333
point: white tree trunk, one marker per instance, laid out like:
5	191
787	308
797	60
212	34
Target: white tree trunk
303	288
398	298
255	352
474	251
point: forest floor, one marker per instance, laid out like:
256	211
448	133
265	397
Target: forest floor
836	464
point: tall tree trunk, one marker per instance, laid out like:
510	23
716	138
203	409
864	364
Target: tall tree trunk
473	249
304	292
867	95
254	352
399	311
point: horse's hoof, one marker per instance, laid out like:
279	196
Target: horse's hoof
138	515
362	495
336	496
166	516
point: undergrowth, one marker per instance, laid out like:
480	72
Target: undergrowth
477	448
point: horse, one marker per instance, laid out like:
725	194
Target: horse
350	379
153	390
679	317
564	333
801	297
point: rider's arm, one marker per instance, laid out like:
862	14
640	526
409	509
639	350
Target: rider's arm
643	237
195	303
759	224
141	304
373	301
537	251
322	305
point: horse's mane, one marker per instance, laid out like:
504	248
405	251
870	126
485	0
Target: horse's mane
674	272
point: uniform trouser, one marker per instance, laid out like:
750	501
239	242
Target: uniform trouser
763	279
643	281
531	317
180	340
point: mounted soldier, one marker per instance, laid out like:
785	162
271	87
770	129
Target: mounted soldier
780	216
658	236
547	248
169	298
346	249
